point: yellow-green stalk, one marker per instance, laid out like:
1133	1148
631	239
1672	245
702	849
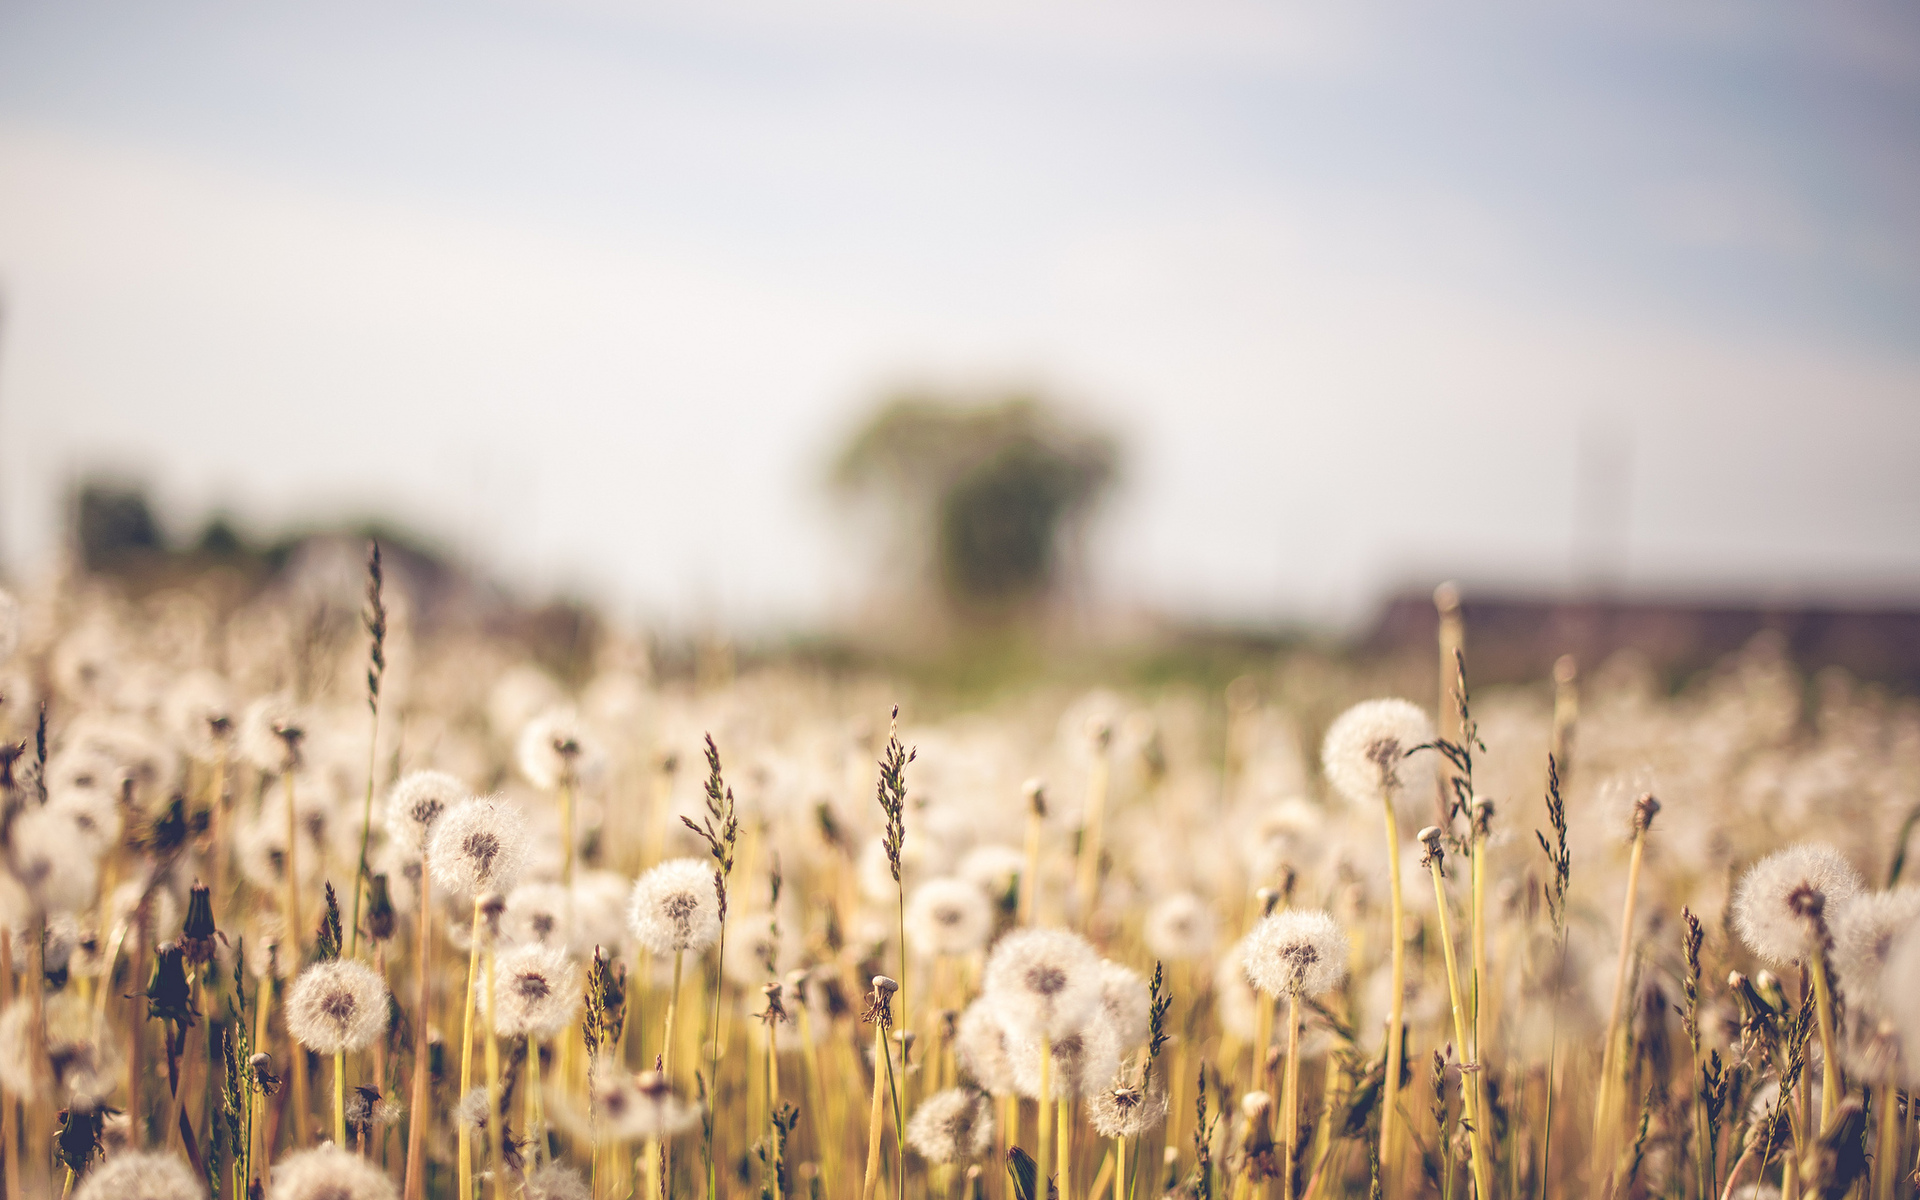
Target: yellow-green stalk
465	1162
1469	1088
1087	882
1605	1131
1036	794
1397	999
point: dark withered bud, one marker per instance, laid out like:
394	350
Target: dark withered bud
380	919
168	996
78	1137
198	933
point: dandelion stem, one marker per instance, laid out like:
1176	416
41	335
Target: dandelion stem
495	1151
876	1118
1469	1092
1604	1146
416	1179
1063	1114
673	1004
465	1166
1830	1061
535	1118
1088	882
340	1098
1396	1001
1043	1133
1290	1096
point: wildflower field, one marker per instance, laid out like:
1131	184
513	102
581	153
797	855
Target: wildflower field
315	908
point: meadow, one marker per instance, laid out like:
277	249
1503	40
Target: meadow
322	907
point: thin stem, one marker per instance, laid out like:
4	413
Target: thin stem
1603	1114
1088	876
1120	1168
1830	1062
416	1180
1290	1096
1043	1134
1396	1002
366	833
1469	1091
673	1004
535	1117
1063	1114
877	1113
340	1098
495	1150
466	1054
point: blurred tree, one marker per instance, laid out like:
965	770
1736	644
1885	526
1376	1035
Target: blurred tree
114	524
986	496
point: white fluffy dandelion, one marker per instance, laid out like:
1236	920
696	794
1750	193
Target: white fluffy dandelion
555	746
1084	1061
955	1125
554	1182
674	909
1179	927
1043	983
948	918
1788	898
536	915
1863	936
329	1173
1365	751
1125	1002
337	1007
415	804
136	1176
271	730
1125	1111
1296	953
536	991
478	846
980	1047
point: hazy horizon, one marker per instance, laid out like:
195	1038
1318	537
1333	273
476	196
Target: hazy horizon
1372	296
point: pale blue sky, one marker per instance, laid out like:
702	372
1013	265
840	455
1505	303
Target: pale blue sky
590	289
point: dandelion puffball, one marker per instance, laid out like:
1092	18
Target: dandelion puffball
1296	953
674	909
416	803
337	1007
980	1048
554	1182
955	1125
1365	752
1124	1111
271	730
536	991
1043	983
1084	1061
1863	936
131	1175
1179	927
478	846
1125	1004
1786	897
553	747
948	918
329	1173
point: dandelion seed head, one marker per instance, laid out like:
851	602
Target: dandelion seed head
555	746
338	1006
478	846
1043	983
1365	751
948	918
1864	934
133	1175
993	868
1124	1004
1297	952
56	867
1179	927
536	915
1787	899
271	731
536	991
329	1173
673	907
1121	1110
955	1125
1084	1061
415	804
471	1109
980	1046
554	1182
